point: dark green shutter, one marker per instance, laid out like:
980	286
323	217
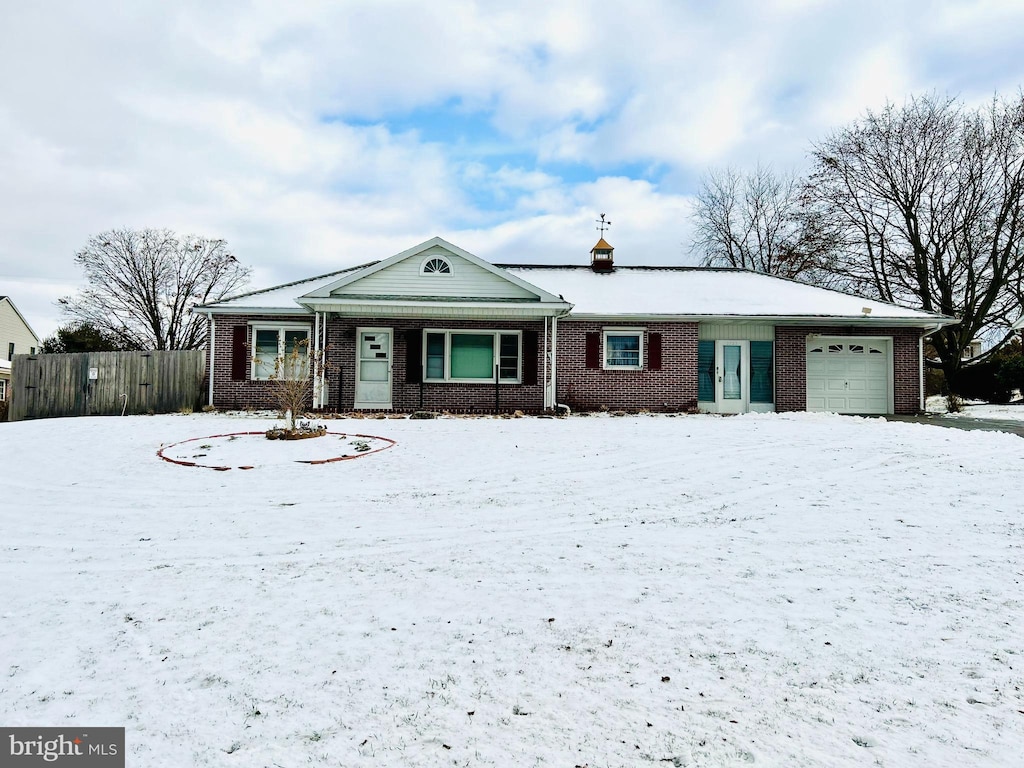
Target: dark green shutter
706	371
762	388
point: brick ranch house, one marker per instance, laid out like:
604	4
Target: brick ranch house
437	328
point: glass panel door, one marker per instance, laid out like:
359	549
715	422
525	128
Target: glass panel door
732	360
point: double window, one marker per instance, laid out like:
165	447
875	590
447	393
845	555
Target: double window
624	349
280	352
472	356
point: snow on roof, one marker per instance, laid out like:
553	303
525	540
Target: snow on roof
282	296
5	365
688	291
644	291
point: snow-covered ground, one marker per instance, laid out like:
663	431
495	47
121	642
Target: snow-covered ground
978	409
787	590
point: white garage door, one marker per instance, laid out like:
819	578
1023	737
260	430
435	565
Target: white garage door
848	374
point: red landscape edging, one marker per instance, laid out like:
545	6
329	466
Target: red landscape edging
181	462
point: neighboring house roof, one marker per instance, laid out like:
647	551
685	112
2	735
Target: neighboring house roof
625	292
20	317
5	366
1019	325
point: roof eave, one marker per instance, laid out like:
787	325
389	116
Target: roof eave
297	309
807	320
335	304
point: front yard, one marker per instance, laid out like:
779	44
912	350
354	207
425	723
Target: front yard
799	590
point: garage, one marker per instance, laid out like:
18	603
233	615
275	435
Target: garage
849	374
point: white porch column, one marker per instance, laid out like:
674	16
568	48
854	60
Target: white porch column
554	362
212	349
315	358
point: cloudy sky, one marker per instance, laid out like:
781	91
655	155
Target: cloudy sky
317	135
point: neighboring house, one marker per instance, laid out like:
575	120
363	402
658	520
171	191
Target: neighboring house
16	337
971	351
5	380
436	327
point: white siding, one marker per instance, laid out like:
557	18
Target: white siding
12	329
404	279
736	331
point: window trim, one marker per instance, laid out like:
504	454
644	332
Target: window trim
432	257
606	332
3	390
496	333
280	328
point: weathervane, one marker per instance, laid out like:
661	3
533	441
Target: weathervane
602	225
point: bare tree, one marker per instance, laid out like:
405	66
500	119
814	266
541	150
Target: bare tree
759	221
142	284
928	197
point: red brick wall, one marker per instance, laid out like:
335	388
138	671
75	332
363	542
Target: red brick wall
791	364
673	388
341	356
245	393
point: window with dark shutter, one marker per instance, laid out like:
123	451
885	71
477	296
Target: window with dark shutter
593	358
529	357
413	356
654	351
240	353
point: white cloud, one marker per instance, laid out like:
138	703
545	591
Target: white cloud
270	127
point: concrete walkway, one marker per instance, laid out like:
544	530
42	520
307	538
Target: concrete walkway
966	422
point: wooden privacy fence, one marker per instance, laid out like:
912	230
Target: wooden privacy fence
105	383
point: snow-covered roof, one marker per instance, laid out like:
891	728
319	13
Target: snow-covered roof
5	365
678	292
690	291
282	297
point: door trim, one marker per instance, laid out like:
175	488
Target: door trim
742	404
377	406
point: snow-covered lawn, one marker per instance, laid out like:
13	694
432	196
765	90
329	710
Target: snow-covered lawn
789	590
977	409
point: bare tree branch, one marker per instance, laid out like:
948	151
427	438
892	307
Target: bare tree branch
759	221
141	286
928	199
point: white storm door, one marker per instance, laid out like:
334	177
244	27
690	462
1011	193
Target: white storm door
732	359
373	368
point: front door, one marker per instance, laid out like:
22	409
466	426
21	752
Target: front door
373	368
731	377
